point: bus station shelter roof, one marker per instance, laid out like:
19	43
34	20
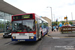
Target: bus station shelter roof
5	7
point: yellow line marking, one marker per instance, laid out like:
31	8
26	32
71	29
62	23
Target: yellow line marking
46	35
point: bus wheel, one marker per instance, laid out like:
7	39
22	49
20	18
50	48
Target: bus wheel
47	32
41	36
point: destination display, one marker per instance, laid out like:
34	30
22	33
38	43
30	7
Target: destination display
22	17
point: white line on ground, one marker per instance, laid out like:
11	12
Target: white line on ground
56	37
59	37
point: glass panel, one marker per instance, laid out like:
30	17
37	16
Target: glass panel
1	15
7	16
2	22
29	24
23	26
10	16
5	20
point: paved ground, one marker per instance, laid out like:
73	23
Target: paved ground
59	34
47	43
52	42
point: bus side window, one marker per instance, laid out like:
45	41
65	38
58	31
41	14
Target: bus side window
42	26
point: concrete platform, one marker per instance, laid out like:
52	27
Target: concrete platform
1	34
59	34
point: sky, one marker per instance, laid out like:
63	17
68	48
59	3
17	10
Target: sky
60	8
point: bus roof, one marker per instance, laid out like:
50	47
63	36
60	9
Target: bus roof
43	20
23	14
40	18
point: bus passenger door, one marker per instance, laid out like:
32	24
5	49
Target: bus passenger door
37	29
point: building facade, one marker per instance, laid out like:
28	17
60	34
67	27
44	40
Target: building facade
6	11
48	20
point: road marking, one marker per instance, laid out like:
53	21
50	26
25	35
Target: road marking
59	37
67	37
56	37
48	36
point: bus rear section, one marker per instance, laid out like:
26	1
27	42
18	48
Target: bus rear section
23	27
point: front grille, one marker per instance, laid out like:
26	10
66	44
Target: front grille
6	33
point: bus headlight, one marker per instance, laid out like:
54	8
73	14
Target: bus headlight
14	37
31	37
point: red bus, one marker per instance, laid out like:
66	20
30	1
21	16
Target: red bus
28	27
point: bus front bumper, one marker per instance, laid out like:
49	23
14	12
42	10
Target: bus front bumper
34	39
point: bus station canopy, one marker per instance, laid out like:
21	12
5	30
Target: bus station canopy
5	7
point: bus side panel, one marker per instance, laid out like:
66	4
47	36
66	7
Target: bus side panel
46	31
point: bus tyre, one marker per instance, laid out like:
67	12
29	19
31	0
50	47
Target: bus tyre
46	33
40	37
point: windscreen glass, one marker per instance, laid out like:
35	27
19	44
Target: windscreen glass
23	26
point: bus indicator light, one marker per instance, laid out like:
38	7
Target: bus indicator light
34	33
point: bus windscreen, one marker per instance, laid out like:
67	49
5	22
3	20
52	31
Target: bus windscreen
23	26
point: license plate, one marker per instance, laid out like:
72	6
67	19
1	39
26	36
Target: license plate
22	34
21	40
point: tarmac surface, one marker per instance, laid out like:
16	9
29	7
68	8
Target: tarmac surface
51	41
